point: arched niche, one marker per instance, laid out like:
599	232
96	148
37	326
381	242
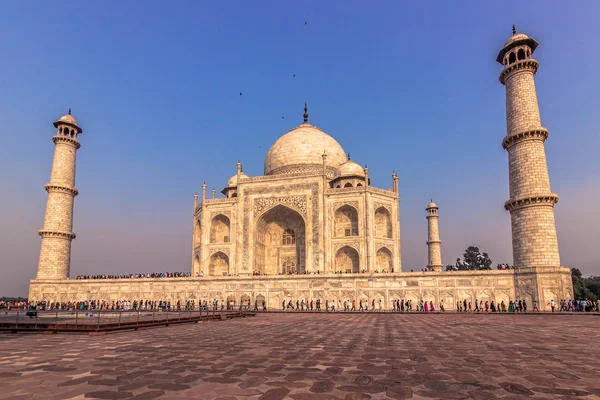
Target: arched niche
346	221
219	264
347	260
383	260
383	223
220	229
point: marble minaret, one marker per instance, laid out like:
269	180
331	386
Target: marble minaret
57	233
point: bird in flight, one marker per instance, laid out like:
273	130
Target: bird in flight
293	76
240	93
282	117
305	22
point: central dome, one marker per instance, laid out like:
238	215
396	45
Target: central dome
302	146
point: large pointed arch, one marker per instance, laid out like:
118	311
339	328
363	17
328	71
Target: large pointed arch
280	242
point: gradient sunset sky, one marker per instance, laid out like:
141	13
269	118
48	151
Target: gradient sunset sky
405	86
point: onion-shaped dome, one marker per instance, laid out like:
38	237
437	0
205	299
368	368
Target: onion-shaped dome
348	169
432	205
303	146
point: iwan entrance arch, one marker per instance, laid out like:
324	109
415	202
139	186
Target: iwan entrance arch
280	242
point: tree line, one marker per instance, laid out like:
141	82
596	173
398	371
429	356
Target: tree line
585	287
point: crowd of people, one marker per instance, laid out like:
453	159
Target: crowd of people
398	305
13	305
131	276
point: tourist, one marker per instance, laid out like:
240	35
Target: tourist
426	306
487	306
511	306
553	305
431	307
476	306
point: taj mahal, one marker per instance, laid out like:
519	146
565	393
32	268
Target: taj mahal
313	212
312	227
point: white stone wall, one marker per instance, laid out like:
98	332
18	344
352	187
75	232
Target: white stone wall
429	286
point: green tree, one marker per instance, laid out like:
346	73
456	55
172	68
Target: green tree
585	288
473	259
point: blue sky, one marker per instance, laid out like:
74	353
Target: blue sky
405	86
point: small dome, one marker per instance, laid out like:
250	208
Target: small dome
349	168
69	120
515	37
432	205
232	182
303	145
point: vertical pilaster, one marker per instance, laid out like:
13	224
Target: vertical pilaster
194	238
368	223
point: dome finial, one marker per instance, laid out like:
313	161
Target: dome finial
305	113
69	111
348	156
514	30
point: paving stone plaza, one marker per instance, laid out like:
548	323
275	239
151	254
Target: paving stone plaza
316	356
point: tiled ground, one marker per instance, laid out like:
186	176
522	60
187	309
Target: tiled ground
316	356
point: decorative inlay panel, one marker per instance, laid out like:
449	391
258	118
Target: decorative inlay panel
355	244
296	202
343	203
384	205
222	212
216	249
387	245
